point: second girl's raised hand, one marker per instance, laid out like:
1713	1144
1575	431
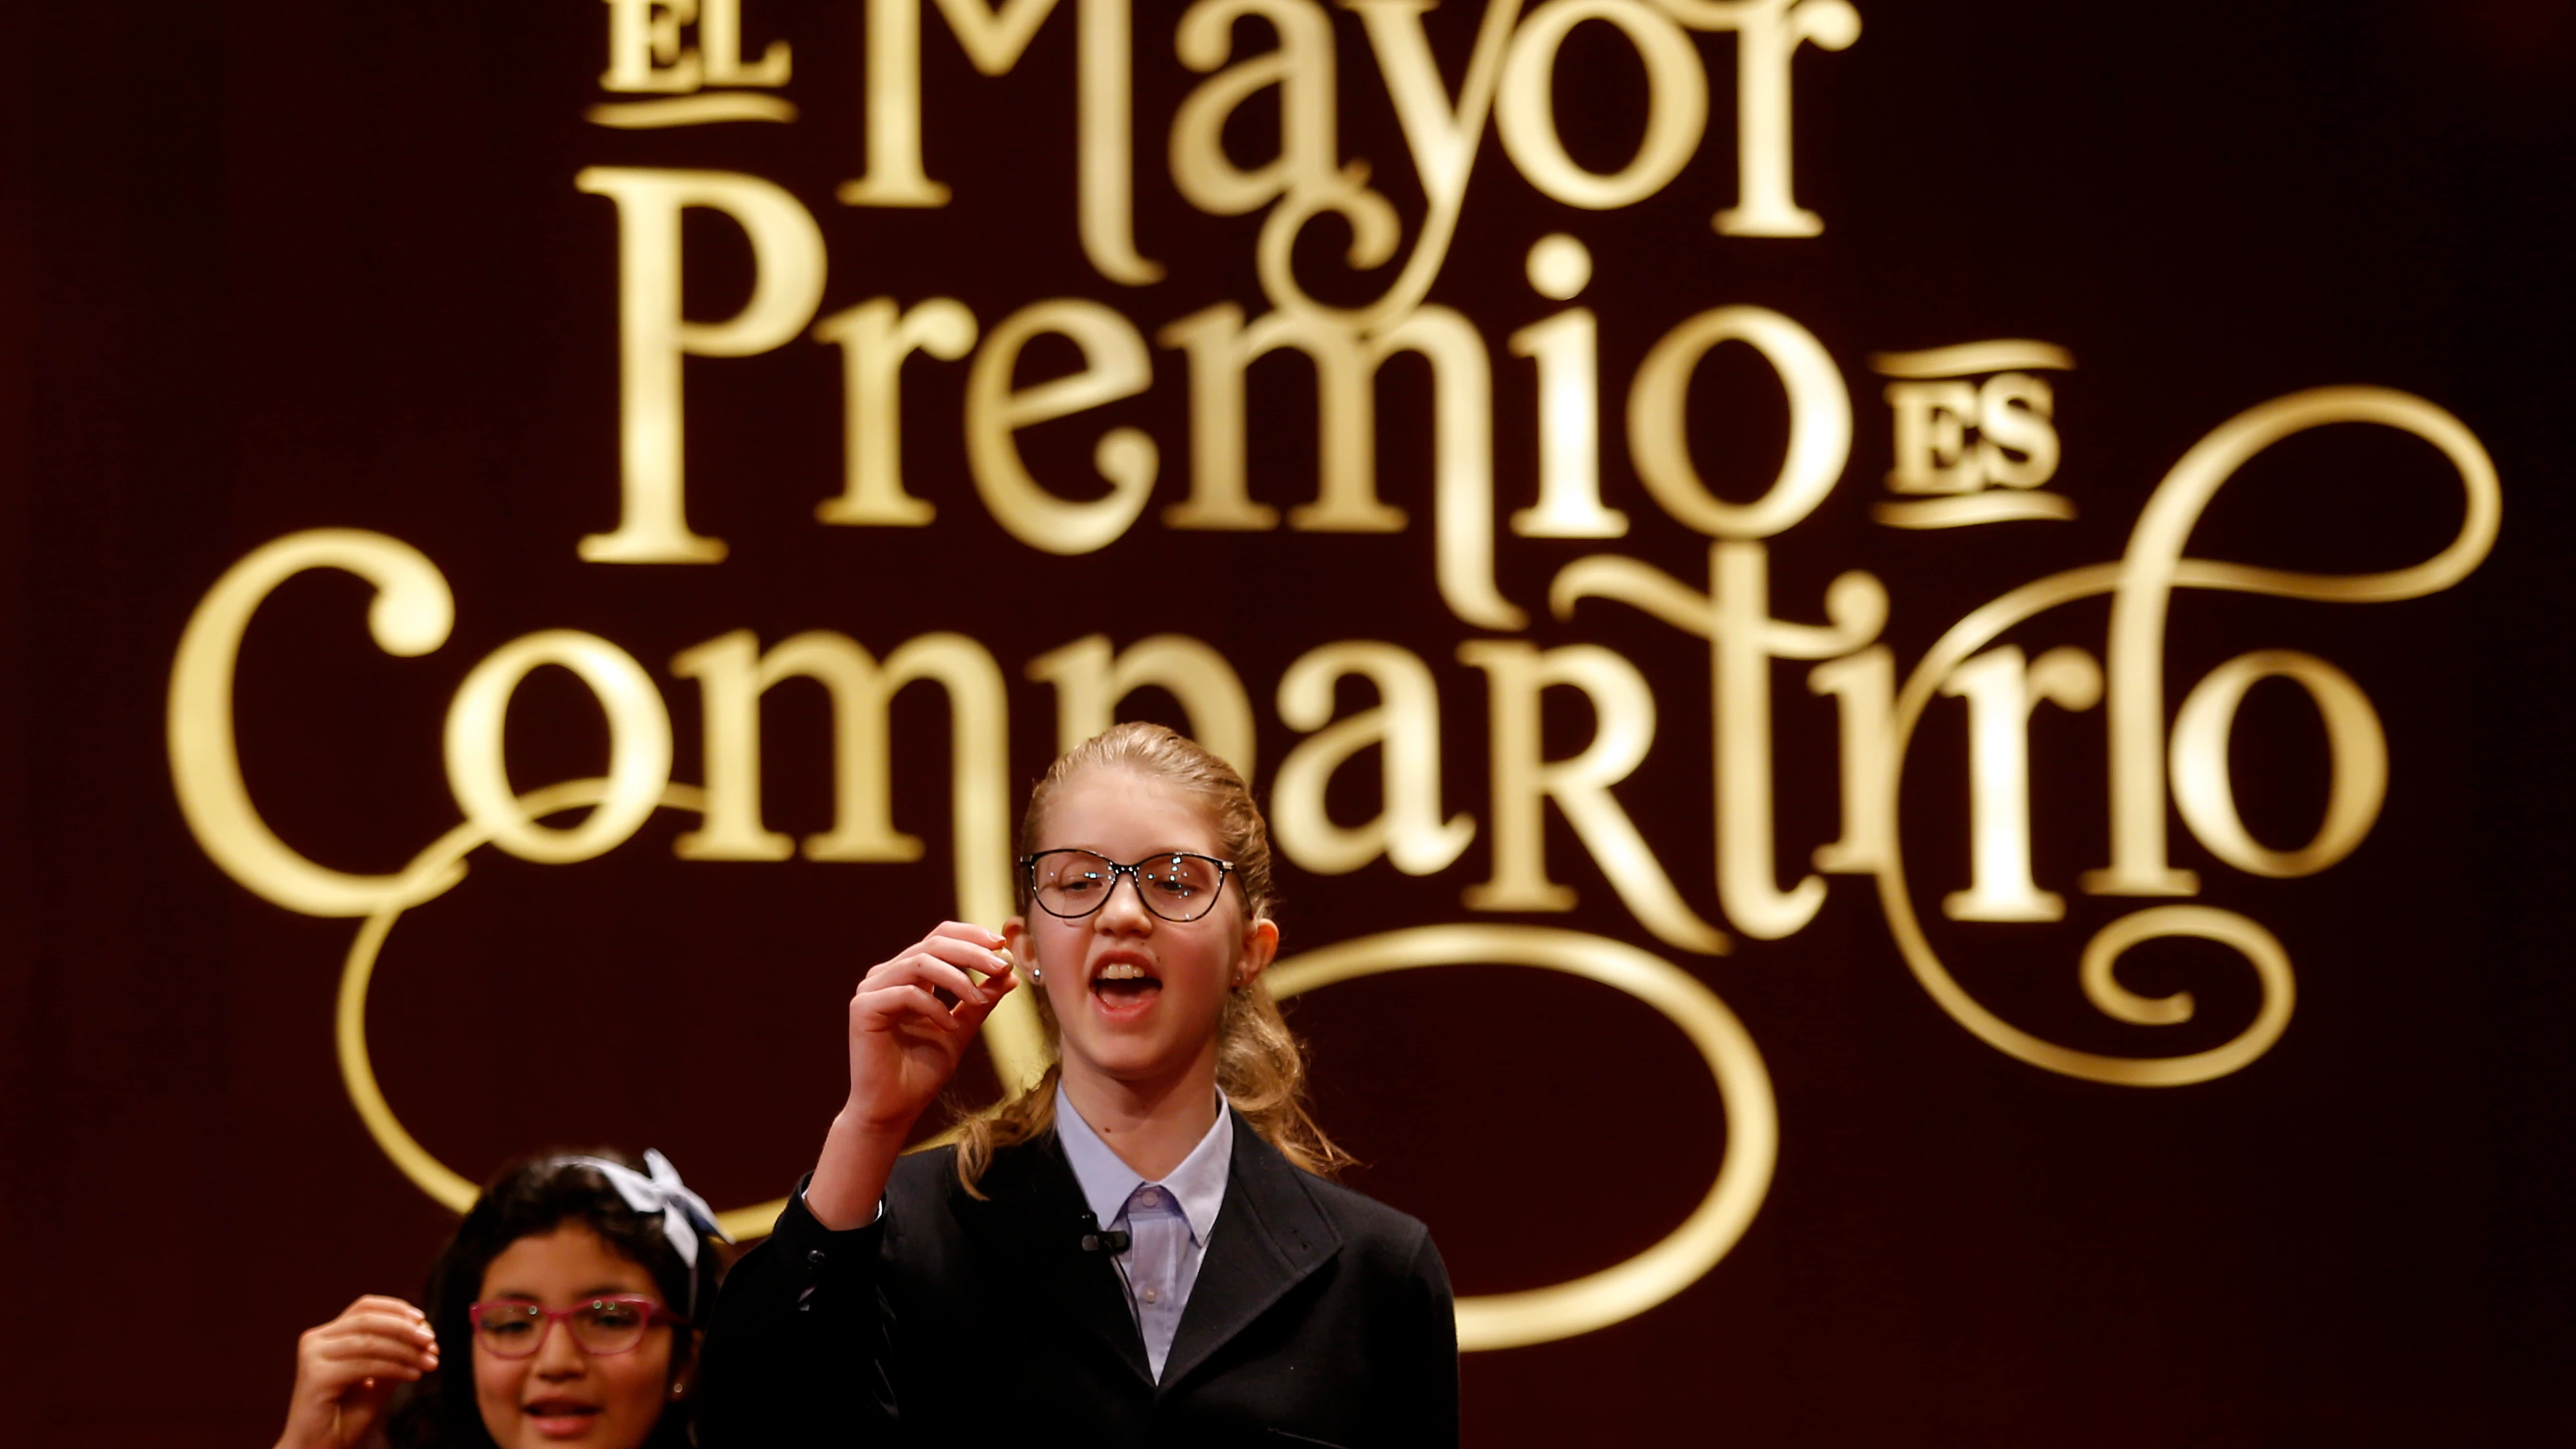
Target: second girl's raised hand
912	1016
346	1370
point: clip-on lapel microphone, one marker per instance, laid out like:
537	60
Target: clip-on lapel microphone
1094	1240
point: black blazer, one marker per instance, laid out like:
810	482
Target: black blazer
1318	1317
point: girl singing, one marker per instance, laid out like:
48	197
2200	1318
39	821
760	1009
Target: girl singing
1145	1246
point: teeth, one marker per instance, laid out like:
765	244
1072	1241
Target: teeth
1121	971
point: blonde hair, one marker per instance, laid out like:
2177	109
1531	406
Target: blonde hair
1260	1065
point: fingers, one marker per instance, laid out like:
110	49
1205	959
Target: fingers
387	1329
890	991
343	1374
971	1014
375	1336
966	931
972	947
375	1341
389	1321
388	1304
966	970
948	982
389	1317
940	975
887	1007
351	1369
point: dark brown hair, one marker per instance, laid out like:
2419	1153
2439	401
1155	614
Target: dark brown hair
530	1197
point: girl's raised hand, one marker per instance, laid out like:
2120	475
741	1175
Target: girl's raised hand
346	1370
912	1017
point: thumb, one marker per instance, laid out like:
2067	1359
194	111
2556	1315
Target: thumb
361	1408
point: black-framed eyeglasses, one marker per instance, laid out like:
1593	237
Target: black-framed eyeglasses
1073	883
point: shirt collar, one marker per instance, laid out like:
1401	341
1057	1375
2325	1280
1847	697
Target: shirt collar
1197	1185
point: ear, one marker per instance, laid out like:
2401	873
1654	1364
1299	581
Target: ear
684	1362
1015	939
1260	945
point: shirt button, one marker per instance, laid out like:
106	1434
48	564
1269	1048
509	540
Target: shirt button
1148	1197
1151	1294
814	1258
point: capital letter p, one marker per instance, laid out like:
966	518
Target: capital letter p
652	336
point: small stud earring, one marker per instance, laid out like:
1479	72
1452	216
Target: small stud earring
1037	975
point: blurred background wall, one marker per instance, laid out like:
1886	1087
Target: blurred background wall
1907	658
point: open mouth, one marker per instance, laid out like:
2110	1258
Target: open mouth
560	1418
1123	986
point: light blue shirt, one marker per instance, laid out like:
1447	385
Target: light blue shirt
1167	1222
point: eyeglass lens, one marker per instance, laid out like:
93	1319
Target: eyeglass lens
1175	887
603	1325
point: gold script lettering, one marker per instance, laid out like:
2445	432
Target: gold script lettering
652	336
411	616
2141	586
1115	366
1404	726
1090	679
994	38
1676	104
875	338
639	745
733	674
1735	617
1524	779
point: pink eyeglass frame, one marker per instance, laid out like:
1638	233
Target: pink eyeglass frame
654	1314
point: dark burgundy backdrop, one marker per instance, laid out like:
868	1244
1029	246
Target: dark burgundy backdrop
309	264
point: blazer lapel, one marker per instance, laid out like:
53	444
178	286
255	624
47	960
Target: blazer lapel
1033	1216
1269	1236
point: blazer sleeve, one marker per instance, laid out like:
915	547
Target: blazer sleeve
1426	1409
796	1350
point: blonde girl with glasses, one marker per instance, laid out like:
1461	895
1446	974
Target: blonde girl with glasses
558	1314
1143	1247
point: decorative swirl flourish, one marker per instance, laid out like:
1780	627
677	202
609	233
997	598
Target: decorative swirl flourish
2154	564
697	110
1493	1321
1624	1290
1443	135
444	1185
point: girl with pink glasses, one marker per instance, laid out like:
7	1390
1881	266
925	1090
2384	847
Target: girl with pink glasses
560	1313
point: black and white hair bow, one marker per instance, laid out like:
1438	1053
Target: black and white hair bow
658	1189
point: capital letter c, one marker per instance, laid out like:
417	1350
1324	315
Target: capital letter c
411	615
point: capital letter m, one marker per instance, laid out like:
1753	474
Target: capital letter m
732	676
